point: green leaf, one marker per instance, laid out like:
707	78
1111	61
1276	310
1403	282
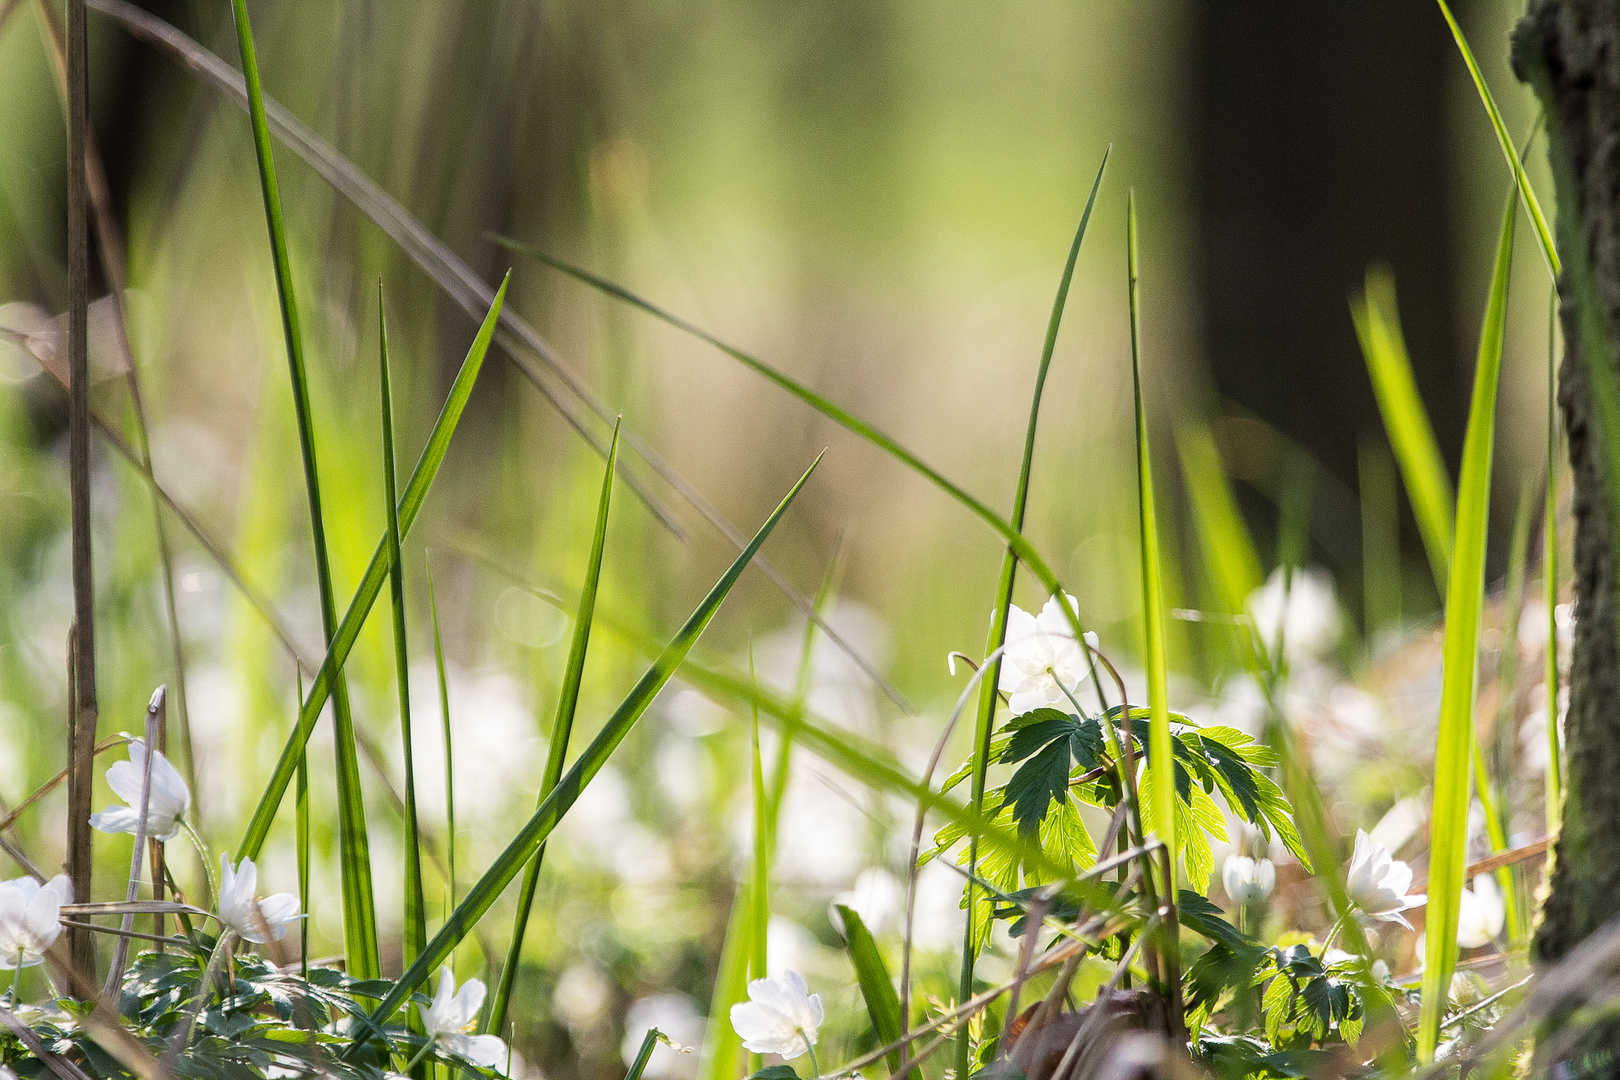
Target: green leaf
1162	809
1065	840
416	490
415	900
1378	326
1464	599
488	888
1042	779
775	1072
1227	546
722	1046
359	905
562	727
882	1003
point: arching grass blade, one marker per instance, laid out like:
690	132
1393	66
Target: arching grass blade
1465	598
1378	325
416	490
561	728
449	748
1544	239
488	888
359	903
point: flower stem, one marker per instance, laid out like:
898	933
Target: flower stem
202	854
810	1048
420	1054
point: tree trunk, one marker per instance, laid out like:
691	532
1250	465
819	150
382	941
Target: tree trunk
1577	44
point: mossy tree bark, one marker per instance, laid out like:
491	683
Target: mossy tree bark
1570	51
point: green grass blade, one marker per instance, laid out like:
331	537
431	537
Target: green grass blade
649	1043
416	490
301	817
1378	325
1380	541
1549	576
488	888
415	899
1021	547
562	727
985	717
882	1003
449	749
759	889
1228	547
722	1046
1163	810
359	903
1464	600
1549	251
1507	682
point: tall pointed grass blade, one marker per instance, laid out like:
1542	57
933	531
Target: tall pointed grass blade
722	1046
416	490
1465	597
488	888
872	975
759	891
415	899
359	903
1549	577
561	728
1380	541
1163	811
1378	325
449	749
1507	692
1544	239
1228	547
985	720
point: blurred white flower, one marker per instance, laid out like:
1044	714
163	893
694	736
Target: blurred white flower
1481	913
675	1016
166	806
30	919
1042	658
1400	823
876	897
581	998
1377	884
1310	626
243	912
1248	881
781	1016
452	1015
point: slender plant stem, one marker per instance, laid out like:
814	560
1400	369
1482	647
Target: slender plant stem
82	753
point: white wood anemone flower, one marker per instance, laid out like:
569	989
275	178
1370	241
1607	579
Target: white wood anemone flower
243	912
1042	658
166	807
449	1019
1481	913
1377	884
781	1016
30	919
1246	880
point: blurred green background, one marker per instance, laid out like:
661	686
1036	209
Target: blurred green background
877	197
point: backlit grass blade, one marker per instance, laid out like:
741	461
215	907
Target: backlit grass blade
882	1003
359	904
489	887
1549	576
301	813
722	1046
985	719
415	900
562	727
1544	239
759	890
1464	599
1378	325
1380	541
1163	811
1507	692
416	490
449	749
1228	547
1015	540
